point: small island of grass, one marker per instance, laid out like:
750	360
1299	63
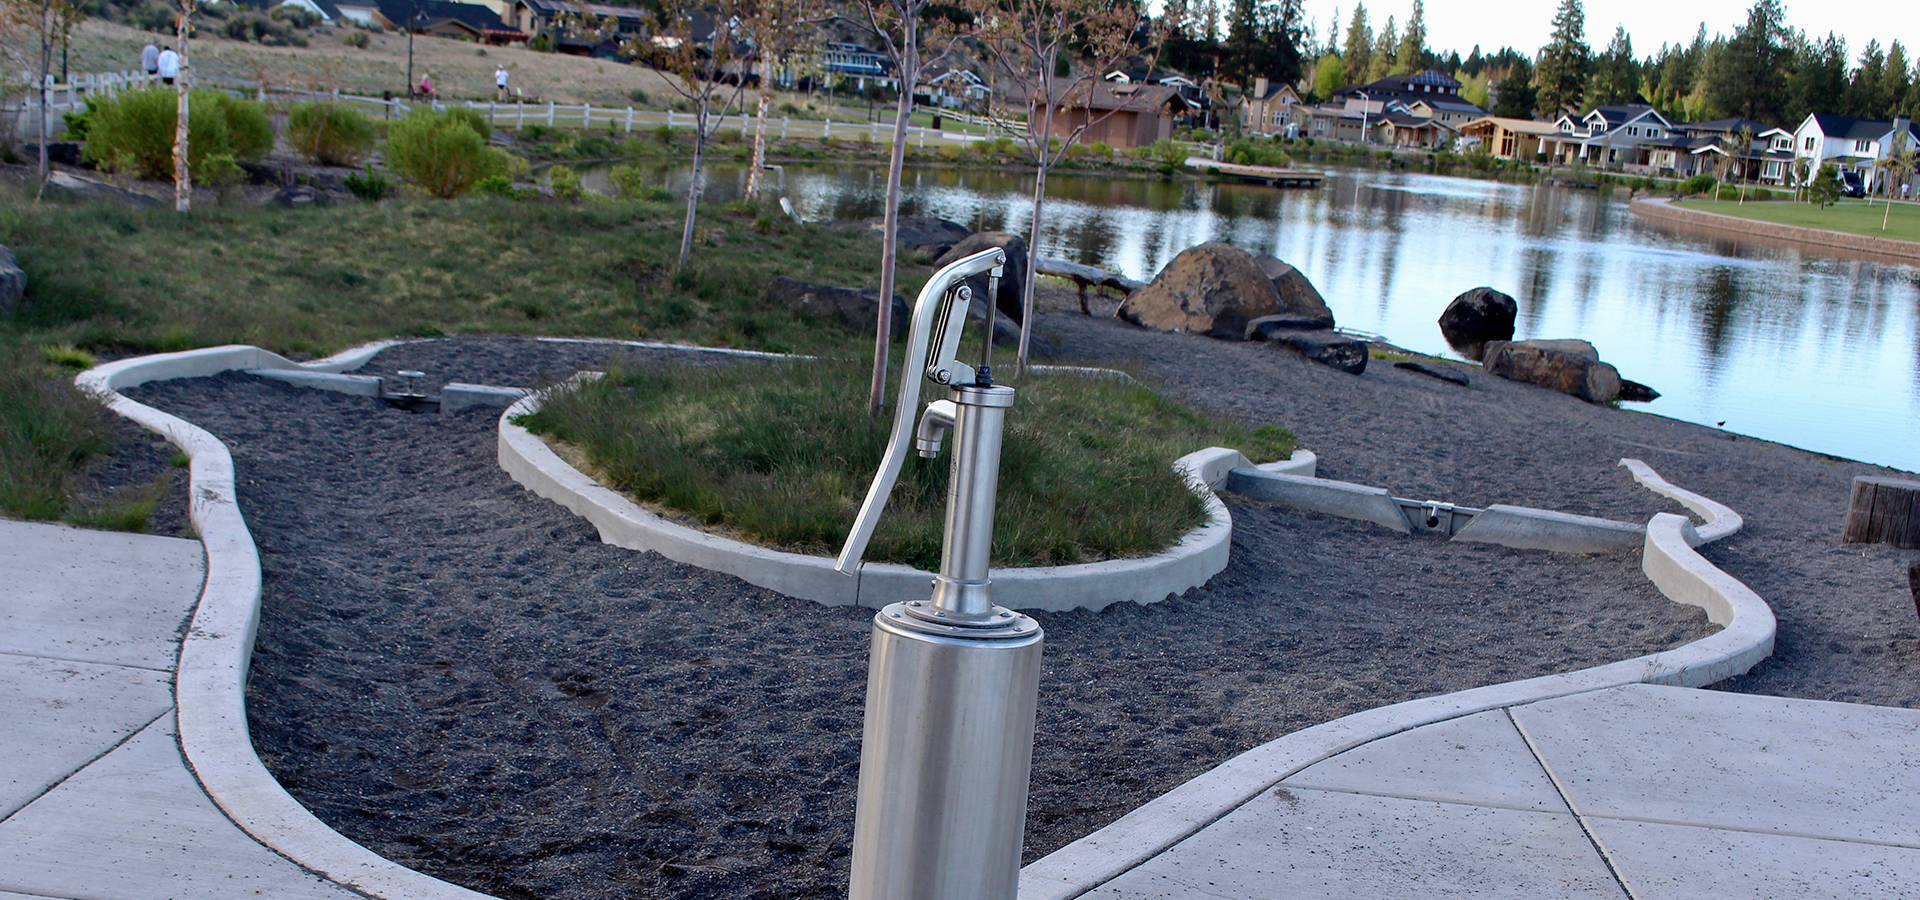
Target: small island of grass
782	453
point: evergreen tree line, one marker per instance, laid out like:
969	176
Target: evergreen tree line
1762	71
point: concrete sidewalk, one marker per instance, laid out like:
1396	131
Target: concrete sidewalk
1642	792
95	799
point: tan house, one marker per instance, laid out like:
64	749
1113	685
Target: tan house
1399	129
1119	115
1268	109
1508	138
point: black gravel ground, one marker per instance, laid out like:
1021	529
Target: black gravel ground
458	675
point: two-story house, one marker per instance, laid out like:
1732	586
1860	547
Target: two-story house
1420	109
1268	108
1851	143
1612	137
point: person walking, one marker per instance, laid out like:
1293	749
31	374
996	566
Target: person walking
150	59
167	64
500	83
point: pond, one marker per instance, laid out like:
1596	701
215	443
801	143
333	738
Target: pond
1806	349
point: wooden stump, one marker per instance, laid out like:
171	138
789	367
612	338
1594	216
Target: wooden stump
1884	511
1913	584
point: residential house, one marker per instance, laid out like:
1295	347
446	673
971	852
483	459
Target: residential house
857	64
952	88
1268	108
1401	129
464	21
1851	143
1738	150
1426	95
1330	122
323	9
1621	138
1504	138
1121	115
537	17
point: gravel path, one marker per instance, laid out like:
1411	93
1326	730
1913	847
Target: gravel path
461	677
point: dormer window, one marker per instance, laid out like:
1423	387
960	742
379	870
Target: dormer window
1863	146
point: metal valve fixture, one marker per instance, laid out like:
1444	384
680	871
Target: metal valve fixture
953	680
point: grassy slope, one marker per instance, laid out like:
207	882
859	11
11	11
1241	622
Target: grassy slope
1851	217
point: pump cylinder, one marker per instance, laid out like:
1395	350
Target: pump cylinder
945	757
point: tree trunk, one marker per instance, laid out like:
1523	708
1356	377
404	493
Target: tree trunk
1043	154
46	67
890	228
759	143
693	190
182	175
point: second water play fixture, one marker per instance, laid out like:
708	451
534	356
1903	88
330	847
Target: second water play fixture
953	680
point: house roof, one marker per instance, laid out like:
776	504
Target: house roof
1408	120
1520	126
435	12
1108	95
1621	115
1722	126
1853	129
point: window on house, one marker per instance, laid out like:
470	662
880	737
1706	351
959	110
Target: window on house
1863	146
1809	147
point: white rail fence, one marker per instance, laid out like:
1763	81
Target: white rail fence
71	96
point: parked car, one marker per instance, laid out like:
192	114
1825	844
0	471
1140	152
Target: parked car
1852	185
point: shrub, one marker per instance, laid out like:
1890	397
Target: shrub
470	117
1100	150
1698	184
565	182
663	133
628	182
330	134
355	39
441	154
638	96
1170	154
534	132
369	185
133	132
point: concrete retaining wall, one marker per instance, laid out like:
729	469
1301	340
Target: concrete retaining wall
1662	211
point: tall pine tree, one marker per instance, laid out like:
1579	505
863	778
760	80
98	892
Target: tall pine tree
1561	75
1750	78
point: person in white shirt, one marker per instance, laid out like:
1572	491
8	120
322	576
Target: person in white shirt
168	63
500	83
150	59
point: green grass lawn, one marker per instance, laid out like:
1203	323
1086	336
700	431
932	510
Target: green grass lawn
1849	216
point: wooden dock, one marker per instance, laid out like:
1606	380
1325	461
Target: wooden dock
1269	175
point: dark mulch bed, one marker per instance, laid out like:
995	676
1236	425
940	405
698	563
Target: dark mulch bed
461	677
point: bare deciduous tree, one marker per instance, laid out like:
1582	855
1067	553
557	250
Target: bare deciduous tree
1026	40
46	23
898	25
182	175
701	45
778	29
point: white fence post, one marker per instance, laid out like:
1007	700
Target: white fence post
783	127
520	121
586	117
629	120
549	113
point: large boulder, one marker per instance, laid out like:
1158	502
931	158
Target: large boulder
61	184
1011	280
856	309
13	281
1298	297
1476	317
1570	367
922	234
1214	289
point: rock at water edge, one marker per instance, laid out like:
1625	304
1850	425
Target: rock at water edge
1476	317
1214	289
1298	297
1559	365
1328	348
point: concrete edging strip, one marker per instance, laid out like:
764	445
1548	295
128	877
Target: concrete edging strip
1720	520
1669	561
1661	210
210	684
1200	555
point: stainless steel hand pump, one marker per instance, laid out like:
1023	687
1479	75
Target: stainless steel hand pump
953	680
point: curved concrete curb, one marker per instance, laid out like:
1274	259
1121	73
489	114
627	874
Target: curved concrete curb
210	687
1681	574
1200	555
1720	520
1662	211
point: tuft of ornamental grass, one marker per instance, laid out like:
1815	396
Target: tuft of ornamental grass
48	429
126	510
782	454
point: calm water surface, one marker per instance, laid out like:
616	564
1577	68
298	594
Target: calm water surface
1808	350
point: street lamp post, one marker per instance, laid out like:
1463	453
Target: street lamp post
1364	100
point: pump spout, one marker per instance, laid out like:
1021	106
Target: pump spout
934	425
943	302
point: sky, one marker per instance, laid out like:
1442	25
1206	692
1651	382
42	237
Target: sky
1525	26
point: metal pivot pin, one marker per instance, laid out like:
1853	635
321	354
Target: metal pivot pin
954	680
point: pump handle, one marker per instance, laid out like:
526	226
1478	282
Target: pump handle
936	298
